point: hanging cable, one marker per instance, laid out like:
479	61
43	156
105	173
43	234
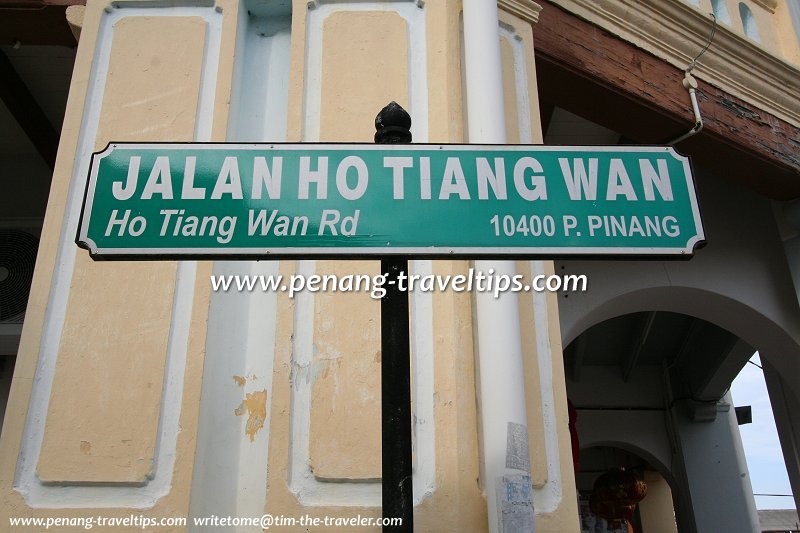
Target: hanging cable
756	364
703	51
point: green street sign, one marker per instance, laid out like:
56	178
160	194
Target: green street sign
265	200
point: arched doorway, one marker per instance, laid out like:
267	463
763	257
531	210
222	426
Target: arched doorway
740	283
650	383
655	513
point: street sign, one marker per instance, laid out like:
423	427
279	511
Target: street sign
264	200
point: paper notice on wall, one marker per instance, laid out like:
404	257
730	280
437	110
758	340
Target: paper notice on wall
515	503
518	456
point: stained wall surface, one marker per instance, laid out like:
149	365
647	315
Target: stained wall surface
139	391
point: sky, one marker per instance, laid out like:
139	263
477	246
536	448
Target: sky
760	439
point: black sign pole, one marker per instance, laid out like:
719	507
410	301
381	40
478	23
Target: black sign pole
392	126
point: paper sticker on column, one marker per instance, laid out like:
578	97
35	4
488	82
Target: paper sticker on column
518	455
515	503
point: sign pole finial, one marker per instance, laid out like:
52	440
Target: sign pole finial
393	125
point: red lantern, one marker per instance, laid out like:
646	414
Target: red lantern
616	494
614	514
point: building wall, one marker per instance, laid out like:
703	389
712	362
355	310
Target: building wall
657	509
138	390
676	31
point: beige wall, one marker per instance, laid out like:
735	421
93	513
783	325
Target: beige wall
787	34
105	402
106	398
97	336
773	21
118	315
657	509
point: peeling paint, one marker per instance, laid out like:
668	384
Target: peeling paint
240	380
739	110
255	405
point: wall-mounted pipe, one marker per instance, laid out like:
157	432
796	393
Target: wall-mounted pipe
690	83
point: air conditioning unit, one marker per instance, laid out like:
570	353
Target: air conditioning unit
19	243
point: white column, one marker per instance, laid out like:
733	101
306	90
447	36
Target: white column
500	374
484	73
786	410
716	472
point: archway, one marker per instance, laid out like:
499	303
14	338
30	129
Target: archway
740	282
655	513
653	383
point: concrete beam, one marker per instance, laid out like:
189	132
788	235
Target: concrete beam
577	358
26	111
39	24
575	58
716	473
641	340
717	382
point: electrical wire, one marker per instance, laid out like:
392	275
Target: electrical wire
693	63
